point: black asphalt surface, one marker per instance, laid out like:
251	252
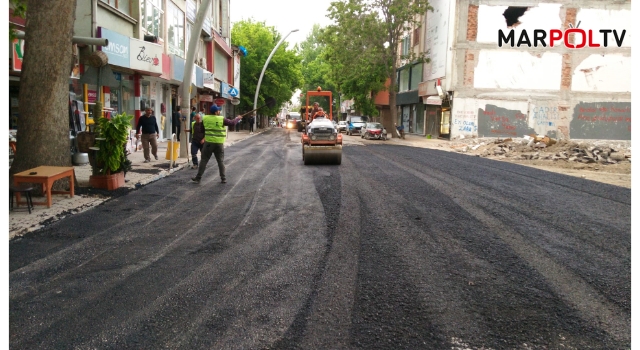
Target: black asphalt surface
397	248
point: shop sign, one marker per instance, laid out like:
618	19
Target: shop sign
233	92
199	77
433	100
118	51
236	73
216	86
207	79
224	90
206	98
166	67
220	101
177	68
18	54
145	56
91	96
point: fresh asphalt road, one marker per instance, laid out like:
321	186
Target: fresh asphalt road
397	248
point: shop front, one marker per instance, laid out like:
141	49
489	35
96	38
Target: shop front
410	112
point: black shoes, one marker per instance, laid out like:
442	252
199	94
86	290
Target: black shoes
224	181
195	180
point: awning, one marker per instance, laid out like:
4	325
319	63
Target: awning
433	100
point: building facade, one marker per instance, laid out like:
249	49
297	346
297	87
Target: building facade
482	83
148	41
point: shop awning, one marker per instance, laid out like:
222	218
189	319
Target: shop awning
433	100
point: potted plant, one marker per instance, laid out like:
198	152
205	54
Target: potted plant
111	161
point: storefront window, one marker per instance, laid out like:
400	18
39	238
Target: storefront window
176	30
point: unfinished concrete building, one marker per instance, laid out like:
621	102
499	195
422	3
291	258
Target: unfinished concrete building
495	73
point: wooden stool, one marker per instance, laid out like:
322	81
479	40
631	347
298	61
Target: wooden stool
22	188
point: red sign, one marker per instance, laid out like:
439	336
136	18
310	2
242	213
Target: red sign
220	101
18	53
91	96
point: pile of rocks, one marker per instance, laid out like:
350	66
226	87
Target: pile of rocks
603	152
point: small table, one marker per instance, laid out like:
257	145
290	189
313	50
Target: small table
45	175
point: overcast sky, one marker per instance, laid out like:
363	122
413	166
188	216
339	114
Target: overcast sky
284	15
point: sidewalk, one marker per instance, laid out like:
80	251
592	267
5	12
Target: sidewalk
21	222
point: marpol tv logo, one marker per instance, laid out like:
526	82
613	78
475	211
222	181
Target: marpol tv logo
555	37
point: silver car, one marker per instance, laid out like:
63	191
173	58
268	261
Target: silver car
342	126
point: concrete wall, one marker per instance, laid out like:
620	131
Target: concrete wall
561	92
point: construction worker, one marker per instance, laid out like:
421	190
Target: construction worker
213	142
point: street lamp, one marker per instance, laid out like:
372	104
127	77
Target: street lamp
255	99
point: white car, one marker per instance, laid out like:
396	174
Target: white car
342	126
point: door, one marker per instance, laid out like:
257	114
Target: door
445	121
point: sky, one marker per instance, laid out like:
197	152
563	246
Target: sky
284	15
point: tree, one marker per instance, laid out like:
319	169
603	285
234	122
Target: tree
43	126
283	74
363	46
316	69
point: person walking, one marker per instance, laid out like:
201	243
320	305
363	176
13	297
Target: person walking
214	136
175	123
197	139
148	128
400	129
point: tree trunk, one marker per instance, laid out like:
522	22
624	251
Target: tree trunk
43	125
389	121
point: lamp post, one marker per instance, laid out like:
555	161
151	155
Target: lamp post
255	99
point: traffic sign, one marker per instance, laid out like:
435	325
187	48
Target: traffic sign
233	92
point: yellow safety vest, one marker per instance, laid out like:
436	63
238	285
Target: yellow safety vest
215	131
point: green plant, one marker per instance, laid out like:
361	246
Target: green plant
111	156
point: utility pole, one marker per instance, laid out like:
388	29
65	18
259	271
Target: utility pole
188	71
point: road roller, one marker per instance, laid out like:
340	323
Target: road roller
321	141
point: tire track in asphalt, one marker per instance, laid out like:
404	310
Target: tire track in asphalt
591	304
124	273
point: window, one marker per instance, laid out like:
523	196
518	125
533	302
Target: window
152	14
416	36
175	34
404	79
405	45
123	6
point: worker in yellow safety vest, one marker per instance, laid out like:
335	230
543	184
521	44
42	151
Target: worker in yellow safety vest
213	142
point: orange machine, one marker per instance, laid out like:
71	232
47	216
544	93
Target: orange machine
321	141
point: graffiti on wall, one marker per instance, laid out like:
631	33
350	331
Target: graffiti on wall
544	117
494	121
601	120
464	122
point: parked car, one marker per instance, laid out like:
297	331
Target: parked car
342	126
355	123
373	131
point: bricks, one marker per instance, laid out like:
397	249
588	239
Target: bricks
567	72
472	23
469	67
570	18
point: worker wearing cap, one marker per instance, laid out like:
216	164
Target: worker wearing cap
213	142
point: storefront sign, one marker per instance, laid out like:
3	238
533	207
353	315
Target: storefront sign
216	86
199	77
433	100
118	50
91	96
18	53
220	101
177	68
145	56
207	79
206	98
166	67
224	90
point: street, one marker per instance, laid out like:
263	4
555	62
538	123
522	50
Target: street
397	248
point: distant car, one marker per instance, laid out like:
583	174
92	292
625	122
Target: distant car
373	131
355	123
342	126
292	120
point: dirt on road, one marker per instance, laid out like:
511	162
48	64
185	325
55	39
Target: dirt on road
597	160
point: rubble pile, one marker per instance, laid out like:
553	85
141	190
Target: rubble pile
536	147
